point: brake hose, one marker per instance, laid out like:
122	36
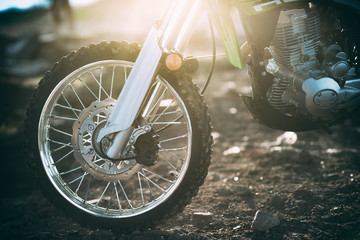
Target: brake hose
213	58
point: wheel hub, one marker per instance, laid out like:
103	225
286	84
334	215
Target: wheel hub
89	153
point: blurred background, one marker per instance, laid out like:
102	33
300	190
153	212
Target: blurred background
43	30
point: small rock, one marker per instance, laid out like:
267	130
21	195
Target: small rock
222	205
281	217
232	150
287	138
317	209
263	221
202	215
224	192
243	192
201	219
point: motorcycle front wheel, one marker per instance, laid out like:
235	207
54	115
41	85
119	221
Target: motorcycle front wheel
71	105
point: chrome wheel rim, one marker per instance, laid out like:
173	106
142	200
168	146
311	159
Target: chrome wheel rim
146	187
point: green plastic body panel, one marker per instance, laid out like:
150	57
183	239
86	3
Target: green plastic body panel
252	7
220	14
221	17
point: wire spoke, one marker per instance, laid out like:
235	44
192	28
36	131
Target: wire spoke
171	165
78	178
100	86
157	102
127	199
81	181
173	149
168	125
70	171
77	96
64	118
172	154
111	198
59	131
174	138
165	179
89	89
59	148
101	74
70	107
87	188
117	195
141	190
148	179
62	158
60	143
163	114
102	195
112	82
148	184
125	75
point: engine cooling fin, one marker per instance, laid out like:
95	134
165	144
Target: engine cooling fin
294	47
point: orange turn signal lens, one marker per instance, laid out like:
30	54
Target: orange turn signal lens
173	62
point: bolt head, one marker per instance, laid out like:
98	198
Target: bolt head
105	141
147	128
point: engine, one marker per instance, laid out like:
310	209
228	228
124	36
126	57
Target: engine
296	40
305	83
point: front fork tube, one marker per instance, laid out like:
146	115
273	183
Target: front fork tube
180	23
150	109
131	97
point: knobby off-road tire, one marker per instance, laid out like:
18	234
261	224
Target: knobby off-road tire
126	195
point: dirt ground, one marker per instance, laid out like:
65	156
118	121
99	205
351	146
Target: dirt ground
310	180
